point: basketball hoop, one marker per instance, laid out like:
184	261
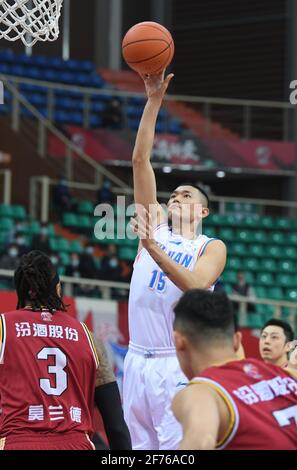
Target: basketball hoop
30	20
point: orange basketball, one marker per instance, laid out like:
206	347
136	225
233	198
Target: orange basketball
148	47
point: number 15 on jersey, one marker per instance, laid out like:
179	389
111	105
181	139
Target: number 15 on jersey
158	281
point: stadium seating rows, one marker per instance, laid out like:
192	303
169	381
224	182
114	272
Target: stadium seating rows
70	105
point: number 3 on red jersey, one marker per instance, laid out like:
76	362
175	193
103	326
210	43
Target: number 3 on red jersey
57	369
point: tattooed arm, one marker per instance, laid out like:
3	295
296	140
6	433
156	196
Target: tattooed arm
104	373
108	401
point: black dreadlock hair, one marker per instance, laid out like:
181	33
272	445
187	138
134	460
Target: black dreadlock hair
35	282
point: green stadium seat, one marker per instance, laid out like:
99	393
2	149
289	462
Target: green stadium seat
250	221
267	311
51	230
266	222
97	262
210	231
282	223
65	259
228	289
286	280
229	277
6	224
19	212
86	207
287	266
3	237
257	251
127	253
6	210
268	265
275	293
265	279
238	249
217	219
249	277
75	247
290	252
70	219
245	236
54	244
84	222
62	245
61	270
234	263
261	292
34	228
291	295
292	238
259	237
273	251
251	264
226	234
254	320
278	238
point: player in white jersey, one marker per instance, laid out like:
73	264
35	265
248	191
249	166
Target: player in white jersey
172	258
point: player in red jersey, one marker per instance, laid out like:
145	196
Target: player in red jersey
276	342
51	370
229	403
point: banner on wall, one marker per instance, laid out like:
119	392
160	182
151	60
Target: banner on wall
106	146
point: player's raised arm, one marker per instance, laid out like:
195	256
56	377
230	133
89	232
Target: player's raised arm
145	191
197	409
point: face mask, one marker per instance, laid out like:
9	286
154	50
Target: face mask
113	263
21	241
13	252
90	250
44	231
75	262
54	261
19	227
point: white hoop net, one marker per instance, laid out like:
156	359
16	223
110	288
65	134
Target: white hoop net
30	20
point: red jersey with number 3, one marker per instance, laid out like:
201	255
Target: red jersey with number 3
262	401
47	373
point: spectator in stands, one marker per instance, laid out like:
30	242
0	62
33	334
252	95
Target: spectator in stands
55	259
41	241
63	199
112	116
19	226
87	266
10	258
111	269
276	342
72	269
104	194
22	243
244	289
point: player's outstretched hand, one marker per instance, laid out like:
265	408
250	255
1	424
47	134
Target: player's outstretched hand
142	225
156	85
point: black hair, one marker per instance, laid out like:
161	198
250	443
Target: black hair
200	189
35	282
204	315
288	330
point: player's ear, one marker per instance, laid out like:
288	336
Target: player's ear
179	341
59	289
205	212
289	346
237	345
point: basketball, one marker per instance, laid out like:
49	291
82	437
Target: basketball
148	47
